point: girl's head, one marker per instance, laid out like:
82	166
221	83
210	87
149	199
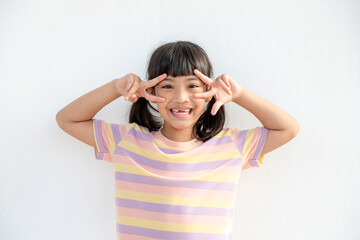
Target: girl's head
178	60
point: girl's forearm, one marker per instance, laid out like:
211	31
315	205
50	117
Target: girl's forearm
85	107
271	116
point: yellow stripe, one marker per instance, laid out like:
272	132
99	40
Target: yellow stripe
248	143
97	146
174	200
209	177
111	138
174	227
197	158
159	143
137	128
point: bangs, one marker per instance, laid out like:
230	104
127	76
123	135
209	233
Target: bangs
179	59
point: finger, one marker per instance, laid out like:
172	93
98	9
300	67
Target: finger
133	98
226	82
203	77
155	81
132	90
216	107
152	98
223	86
129	83
204	94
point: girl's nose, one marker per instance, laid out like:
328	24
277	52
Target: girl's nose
181	95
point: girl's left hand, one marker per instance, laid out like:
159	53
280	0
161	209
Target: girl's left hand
223	88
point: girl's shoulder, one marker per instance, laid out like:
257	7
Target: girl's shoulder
227	132
225	135
134	127
122	127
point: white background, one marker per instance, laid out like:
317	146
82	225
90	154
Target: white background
303	56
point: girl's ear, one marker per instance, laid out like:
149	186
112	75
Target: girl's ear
152	90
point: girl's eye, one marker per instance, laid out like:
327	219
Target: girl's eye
190	86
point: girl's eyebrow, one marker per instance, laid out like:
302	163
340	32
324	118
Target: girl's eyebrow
188	79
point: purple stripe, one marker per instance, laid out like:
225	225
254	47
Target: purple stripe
174	209
260	145
167	235
99	137
211	142
178	167
116	133
241	141
140	135
170	151
217	141
181	183
99	156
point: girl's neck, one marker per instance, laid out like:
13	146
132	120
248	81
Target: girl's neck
184	135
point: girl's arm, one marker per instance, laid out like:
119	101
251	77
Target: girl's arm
76	117
282	126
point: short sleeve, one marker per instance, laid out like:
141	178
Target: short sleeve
106	136
250	143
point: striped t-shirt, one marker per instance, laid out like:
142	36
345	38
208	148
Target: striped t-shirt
176	190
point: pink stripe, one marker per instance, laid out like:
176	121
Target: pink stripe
227	169
230	169
172	218
105	133
125	236
131	138
174	191
151	146
174	174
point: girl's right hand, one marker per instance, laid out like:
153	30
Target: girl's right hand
132	87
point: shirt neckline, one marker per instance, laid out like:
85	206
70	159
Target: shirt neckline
192	143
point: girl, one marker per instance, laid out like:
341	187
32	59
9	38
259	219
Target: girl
176	174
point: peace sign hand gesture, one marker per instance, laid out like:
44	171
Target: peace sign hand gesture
223	88
132	87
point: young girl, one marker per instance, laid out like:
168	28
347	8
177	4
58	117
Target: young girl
176	175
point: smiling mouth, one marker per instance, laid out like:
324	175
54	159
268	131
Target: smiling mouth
181	112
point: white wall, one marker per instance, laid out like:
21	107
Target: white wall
303	56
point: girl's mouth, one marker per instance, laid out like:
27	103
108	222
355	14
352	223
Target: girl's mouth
181	113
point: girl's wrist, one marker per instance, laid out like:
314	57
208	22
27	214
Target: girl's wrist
238	94
119	86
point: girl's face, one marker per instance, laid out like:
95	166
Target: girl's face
180	110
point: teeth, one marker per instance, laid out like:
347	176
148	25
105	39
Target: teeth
181	111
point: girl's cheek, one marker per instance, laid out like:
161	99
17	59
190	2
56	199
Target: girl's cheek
162	94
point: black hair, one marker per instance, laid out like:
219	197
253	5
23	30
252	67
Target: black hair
179	58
